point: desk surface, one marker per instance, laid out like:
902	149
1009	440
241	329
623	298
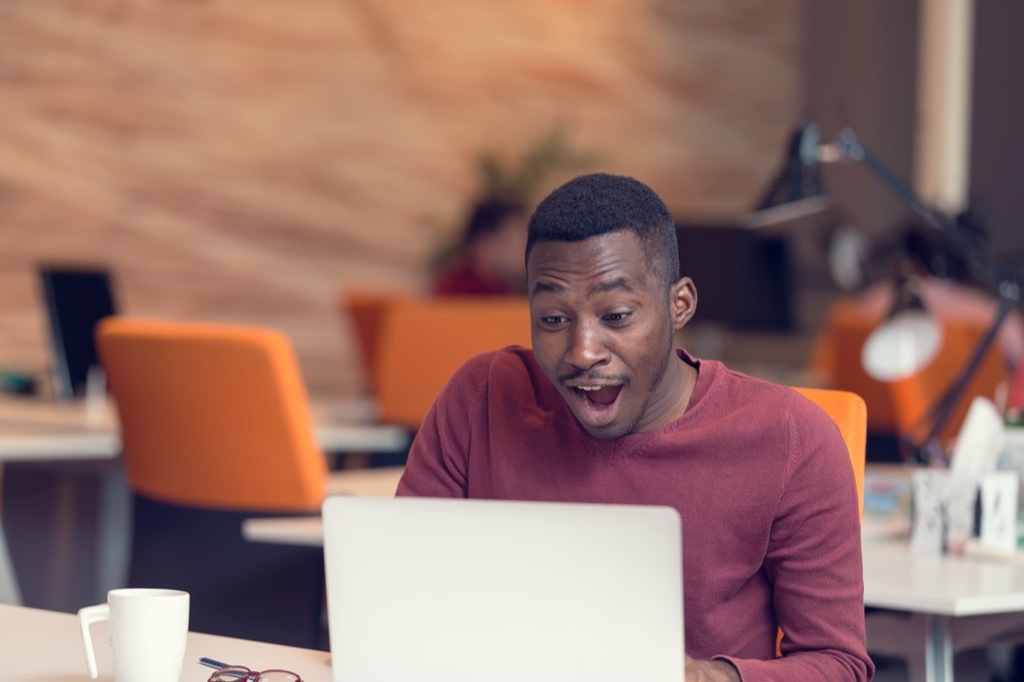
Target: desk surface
38	430
309	530
46	646
896	578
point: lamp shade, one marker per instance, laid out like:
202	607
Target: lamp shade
901	346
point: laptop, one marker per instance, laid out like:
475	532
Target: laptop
455	590
76	298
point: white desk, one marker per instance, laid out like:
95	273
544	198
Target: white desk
951	603
39	431
36	430
46	646
309	530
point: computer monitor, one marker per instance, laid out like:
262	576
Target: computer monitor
743	276
76	298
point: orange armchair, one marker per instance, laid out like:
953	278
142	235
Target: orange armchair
424	341
213	416
216	428
849	412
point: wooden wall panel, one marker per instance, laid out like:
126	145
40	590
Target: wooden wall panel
244	160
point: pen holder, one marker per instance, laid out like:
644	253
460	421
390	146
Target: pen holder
951	509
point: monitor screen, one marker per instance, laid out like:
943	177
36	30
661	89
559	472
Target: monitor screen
76	299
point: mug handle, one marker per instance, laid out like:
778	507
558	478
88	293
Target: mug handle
87	616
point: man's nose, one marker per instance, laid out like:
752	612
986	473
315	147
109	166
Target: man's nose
587	348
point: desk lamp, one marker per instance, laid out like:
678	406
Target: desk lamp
909	338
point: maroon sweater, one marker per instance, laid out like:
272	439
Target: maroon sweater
759	474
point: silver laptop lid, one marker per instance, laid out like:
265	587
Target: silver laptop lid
453	590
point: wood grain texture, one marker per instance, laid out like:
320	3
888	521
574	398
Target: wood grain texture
244	161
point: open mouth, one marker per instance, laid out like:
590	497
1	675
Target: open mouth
598	395
595	404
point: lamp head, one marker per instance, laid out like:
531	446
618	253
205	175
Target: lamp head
901	346
908	340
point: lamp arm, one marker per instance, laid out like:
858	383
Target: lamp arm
941	410
848	148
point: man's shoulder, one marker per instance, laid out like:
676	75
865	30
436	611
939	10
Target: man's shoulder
501	361
499	381
735	384
736	392
509	367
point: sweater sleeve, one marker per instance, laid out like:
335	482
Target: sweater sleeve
814	560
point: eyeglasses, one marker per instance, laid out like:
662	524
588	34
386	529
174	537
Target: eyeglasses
238	673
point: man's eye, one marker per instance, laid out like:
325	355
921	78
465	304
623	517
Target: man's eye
552	320
617	317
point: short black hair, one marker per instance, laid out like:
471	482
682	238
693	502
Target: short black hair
601	203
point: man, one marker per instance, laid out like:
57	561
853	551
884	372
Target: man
605	409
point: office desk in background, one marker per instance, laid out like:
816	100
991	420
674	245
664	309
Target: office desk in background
930	607
938	605
63	433
309	530
46	646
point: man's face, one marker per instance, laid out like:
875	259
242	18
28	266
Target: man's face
602	330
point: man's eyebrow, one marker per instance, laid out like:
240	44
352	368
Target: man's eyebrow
617	284
547	287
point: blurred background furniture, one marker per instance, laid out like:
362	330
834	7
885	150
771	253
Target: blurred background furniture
36	431
748	285
216	427
901	407
924	609
364	309
849	412
422	341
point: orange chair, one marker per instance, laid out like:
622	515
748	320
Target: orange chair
213	416
849	412
216	428
424	341
365	309
898	407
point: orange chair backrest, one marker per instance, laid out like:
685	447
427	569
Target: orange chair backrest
365	310
849	412
897	407
424	341
212	415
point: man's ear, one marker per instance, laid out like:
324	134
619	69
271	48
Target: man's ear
683	300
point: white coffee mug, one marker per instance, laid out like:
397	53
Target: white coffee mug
148	631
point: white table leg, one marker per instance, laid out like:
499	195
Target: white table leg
114	531
900	635
9	592
938	649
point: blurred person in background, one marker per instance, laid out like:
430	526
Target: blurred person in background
488	261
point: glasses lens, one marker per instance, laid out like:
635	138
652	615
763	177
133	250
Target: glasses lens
230	674
278	676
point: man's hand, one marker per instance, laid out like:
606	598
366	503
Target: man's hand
710	671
